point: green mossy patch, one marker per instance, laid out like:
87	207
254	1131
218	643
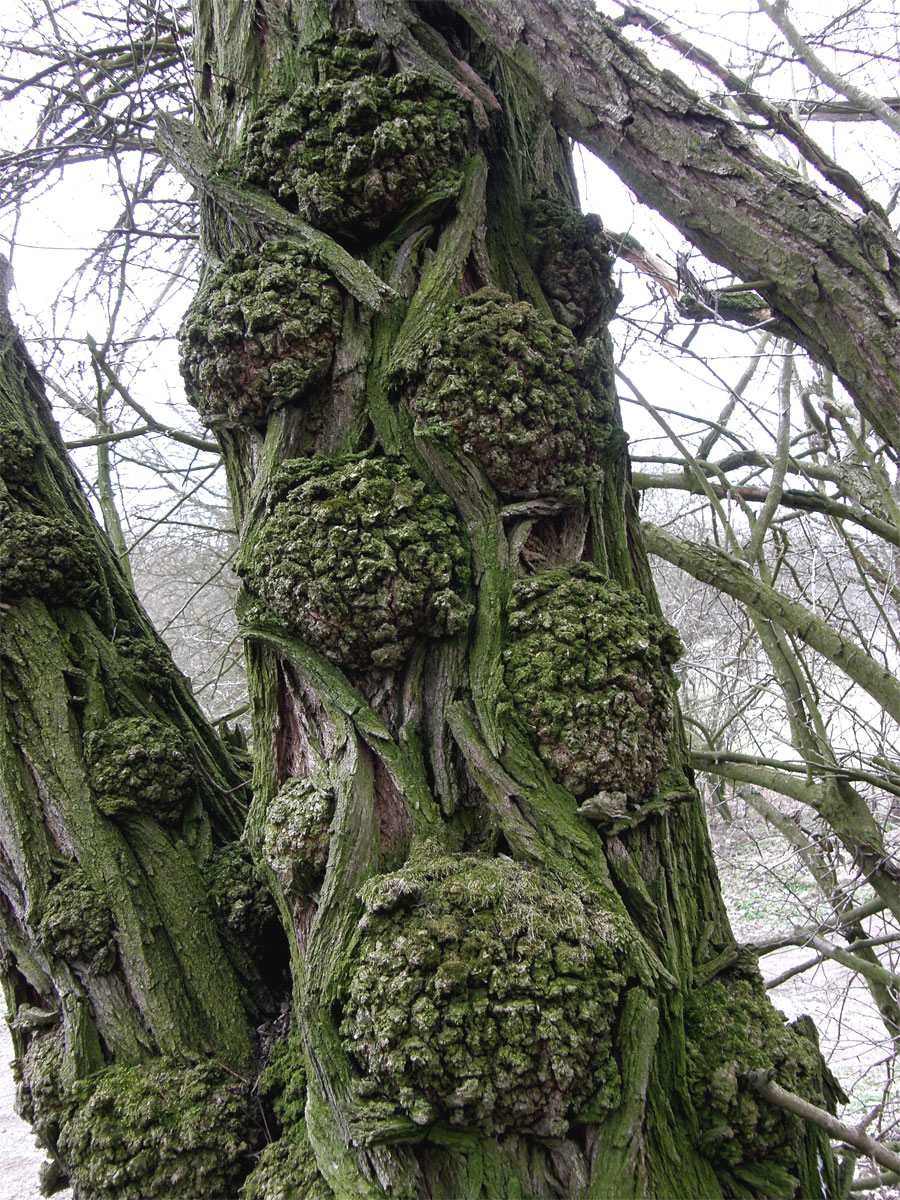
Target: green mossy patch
573	261
514	389
44	558
143	658
484	993
731	1028
297	835
39	1095
287	1167
356	151
19	455
588	670
359	557
76	925
287	1170
260	334
161	1130
138	765
282	1084
240	897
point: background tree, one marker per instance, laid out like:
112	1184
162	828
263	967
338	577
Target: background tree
460	780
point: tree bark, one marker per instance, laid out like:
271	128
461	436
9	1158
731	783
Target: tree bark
455	775
118	805
834	276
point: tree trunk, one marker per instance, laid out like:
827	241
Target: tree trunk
124	908
512	969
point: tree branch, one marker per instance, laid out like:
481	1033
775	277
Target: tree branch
834	278
728	575
761	1082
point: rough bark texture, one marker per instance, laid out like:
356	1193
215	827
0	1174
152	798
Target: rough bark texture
833	274
513	973
118	870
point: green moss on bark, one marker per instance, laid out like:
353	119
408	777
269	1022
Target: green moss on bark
359	557
44	558
160	1130
241	900
76	925
731	1029
19	455
362	146
39	1094
260	334
573	261
297	835
287	1170
484	994
588	670
138	765
514	389
287	1167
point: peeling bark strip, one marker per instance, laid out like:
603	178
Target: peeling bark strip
834	276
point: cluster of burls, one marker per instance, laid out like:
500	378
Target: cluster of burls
139	765
359	557
588	670
355	151
484	995
259	335
514	389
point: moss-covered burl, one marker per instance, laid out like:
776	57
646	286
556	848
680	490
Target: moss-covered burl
139	765
588	670
148	1132
485	994
358	556
364	143
259	335
514	389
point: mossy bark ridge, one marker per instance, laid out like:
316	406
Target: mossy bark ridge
453	645
132	1005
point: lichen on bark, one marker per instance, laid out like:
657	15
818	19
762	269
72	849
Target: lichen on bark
588	670
358	556
484	994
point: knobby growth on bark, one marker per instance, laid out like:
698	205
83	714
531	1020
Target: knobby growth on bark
510	969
